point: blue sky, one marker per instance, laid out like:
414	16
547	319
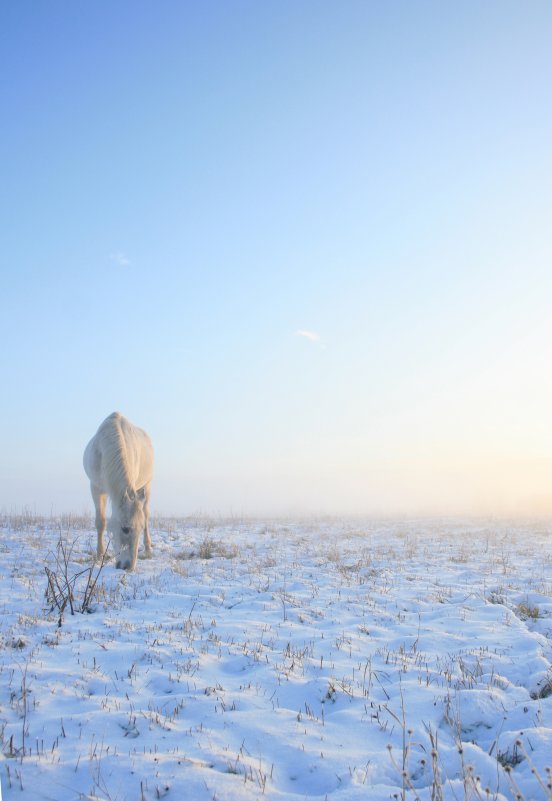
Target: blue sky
186	186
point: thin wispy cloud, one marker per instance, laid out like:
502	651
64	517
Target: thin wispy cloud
119	258
312	336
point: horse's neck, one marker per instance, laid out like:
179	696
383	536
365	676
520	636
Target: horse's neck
117	467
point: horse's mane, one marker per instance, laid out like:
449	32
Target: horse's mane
115	456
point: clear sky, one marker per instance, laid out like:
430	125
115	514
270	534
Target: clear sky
305	245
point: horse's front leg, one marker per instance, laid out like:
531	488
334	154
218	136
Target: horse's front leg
147	538
100	502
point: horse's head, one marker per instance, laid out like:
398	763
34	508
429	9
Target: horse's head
128	524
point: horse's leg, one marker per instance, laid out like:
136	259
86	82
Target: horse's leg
100	502
147	538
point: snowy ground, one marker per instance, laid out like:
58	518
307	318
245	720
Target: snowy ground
248	660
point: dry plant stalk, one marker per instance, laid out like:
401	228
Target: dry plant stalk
61	585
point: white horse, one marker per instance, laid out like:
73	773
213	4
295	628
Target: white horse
118	460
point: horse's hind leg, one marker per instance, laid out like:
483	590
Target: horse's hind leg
100	502
147	538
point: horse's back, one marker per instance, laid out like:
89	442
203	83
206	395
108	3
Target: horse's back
118	440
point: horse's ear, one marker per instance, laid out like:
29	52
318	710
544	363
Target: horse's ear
141	494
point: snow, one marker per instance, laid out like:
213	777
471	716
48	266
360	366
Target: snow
280	660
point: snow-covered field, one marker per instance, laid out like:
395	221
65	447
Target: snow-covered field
330	659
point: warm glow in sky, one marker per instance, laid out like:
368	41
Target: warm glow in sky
306	245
